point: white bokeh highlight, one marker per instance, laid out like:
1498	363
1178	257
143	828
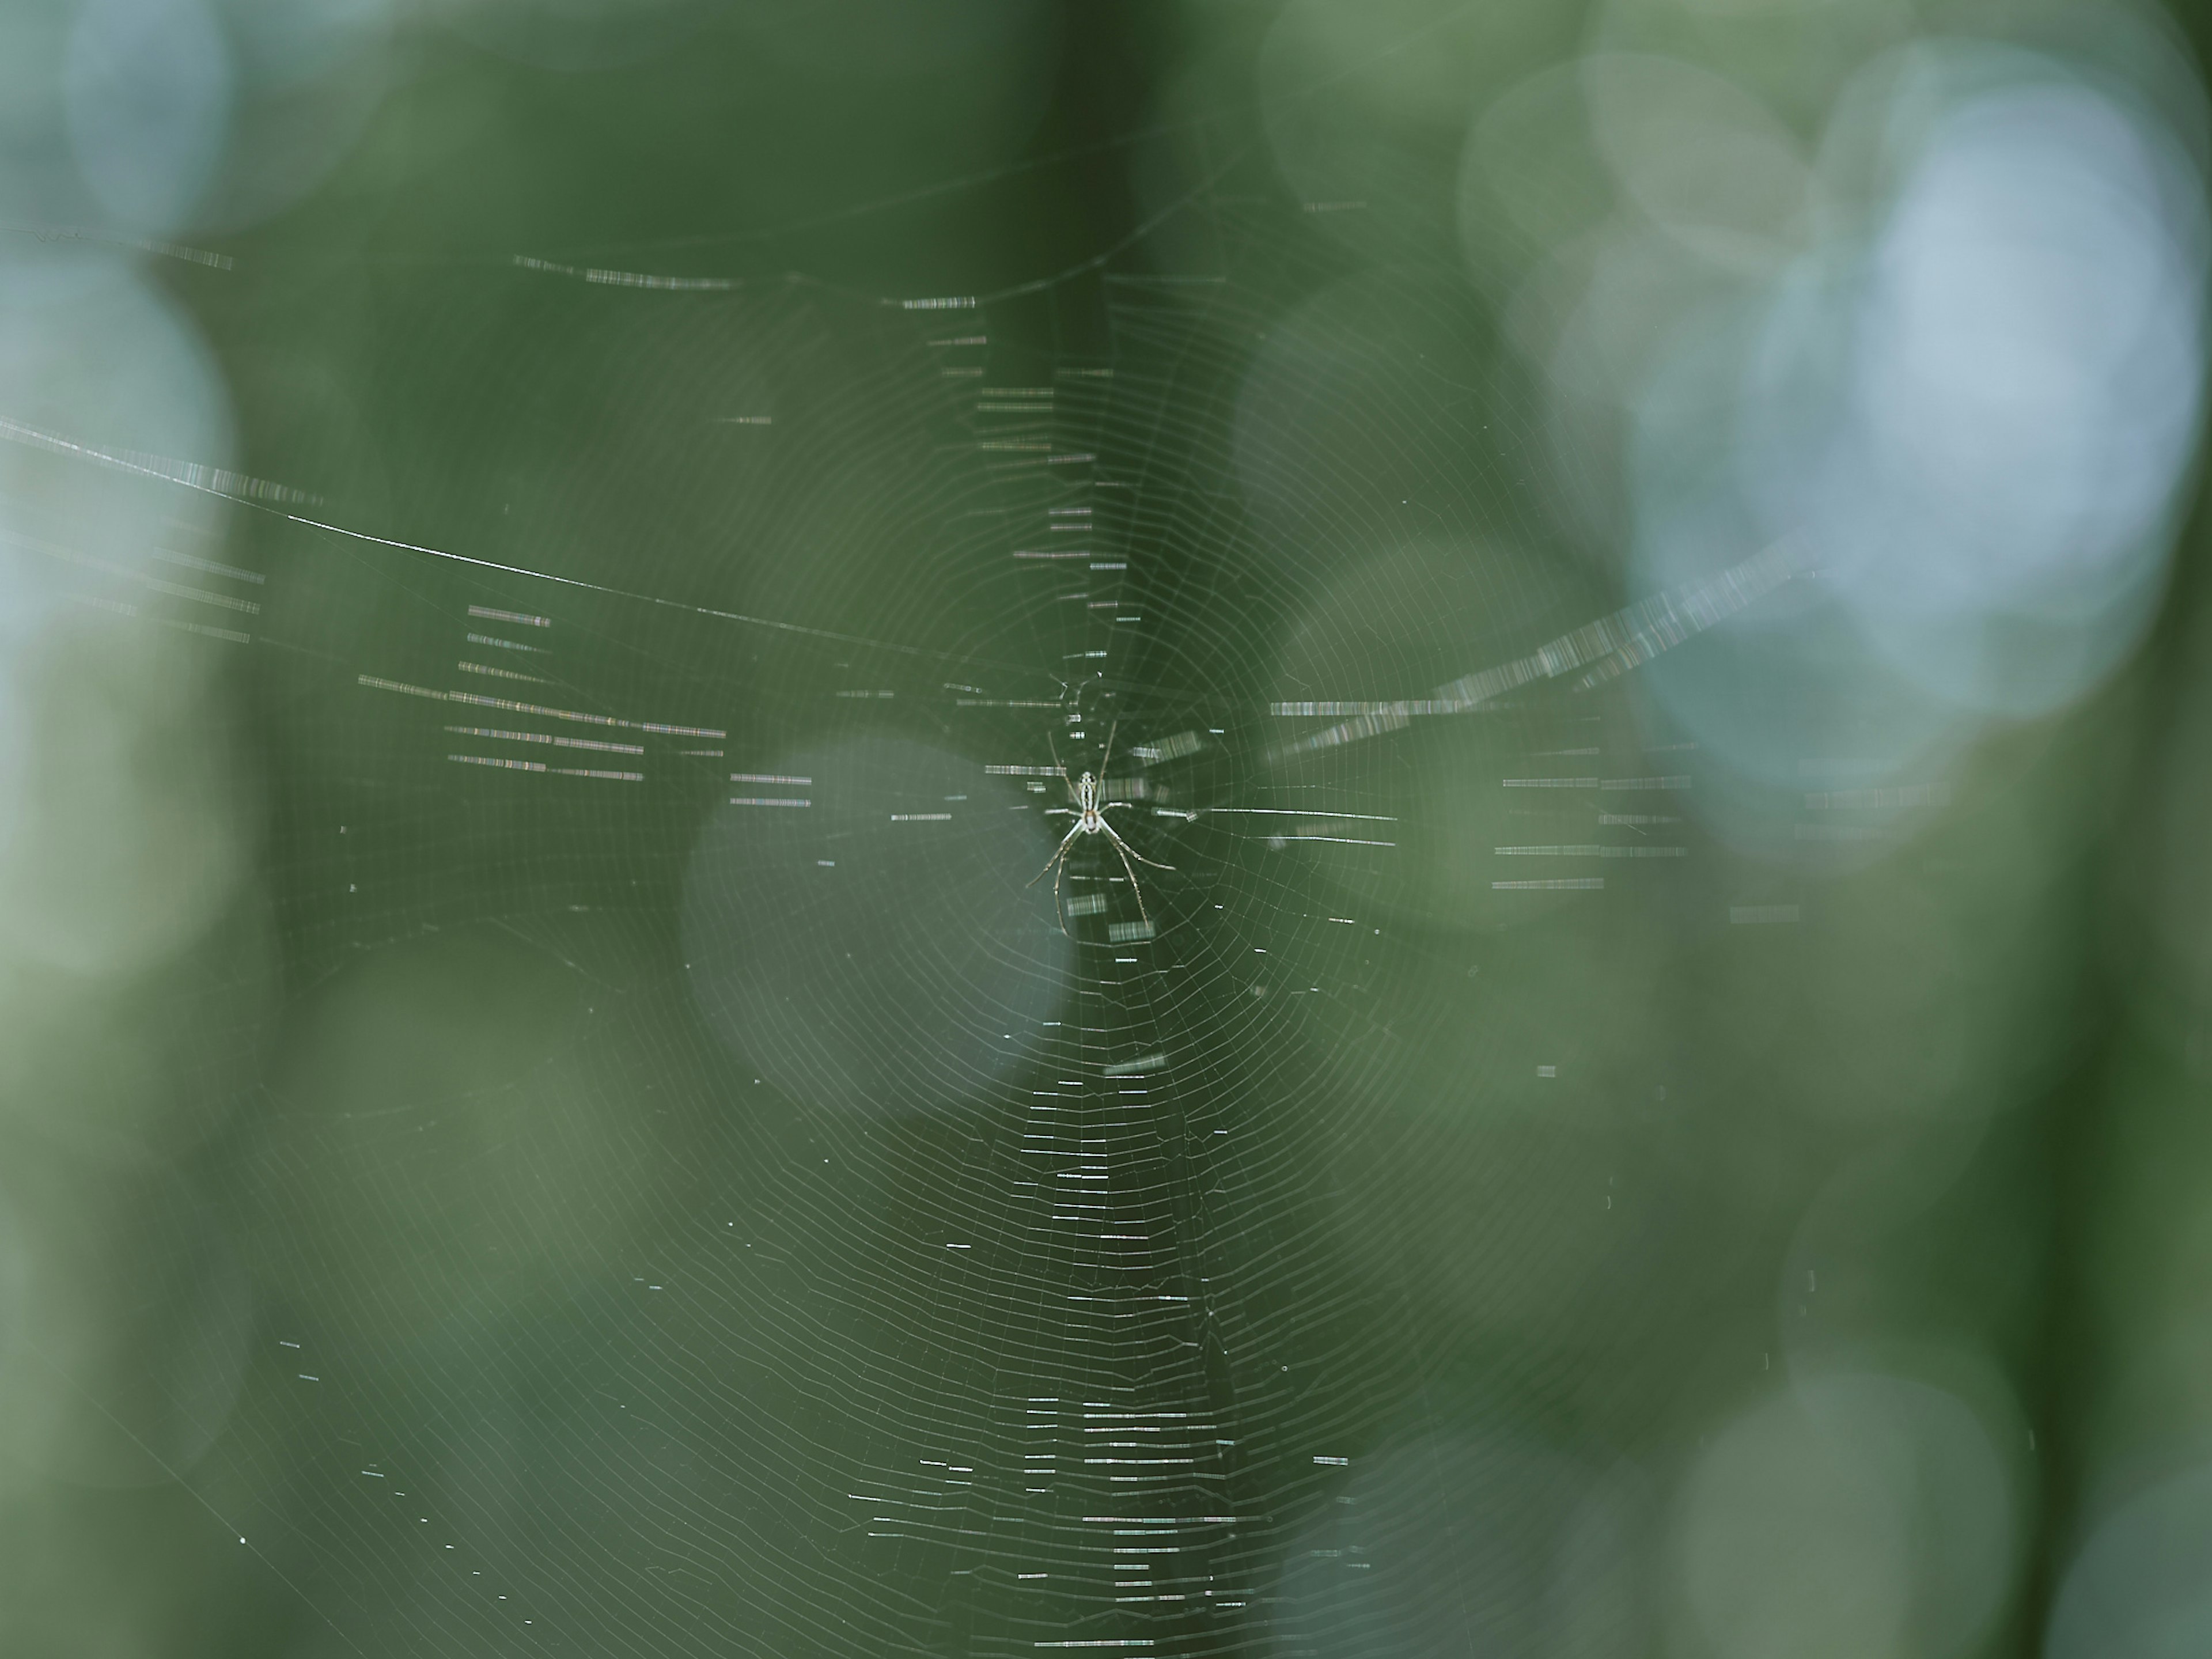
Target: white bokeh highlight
1982	428
148	87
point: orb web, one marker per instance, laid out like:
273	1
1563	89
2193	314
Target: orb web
727	1201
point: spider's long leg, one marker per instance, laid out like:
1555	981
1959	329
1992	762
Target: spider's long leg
1134	887
1107	759
1059	853
1130	850
1059	914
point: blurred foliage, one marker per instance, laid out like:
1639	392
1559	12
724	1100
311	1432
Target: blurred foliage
1730	1181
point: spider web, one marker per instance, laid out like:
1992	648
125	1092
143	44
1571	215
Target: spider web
855	1251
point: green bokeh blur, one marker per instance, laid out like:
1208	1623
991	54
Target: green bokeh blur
523	1035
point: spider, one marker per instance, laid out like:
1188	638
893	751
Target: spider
1090	815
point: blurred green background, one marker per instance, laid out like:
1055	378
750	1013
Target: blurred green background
1639	564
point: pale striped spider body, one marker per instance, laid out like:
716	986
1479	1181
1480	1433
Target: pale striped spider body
1089	812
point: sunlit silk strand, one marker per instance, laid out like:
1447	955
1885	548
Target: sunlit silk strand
1609	646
